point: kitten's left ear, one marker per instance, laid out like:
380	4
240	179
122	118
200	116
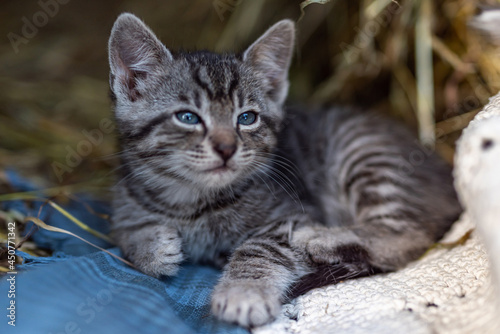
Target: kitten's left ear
136	57
271	55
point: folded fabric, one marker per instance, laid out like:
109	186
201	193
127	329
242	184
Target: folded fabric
82	290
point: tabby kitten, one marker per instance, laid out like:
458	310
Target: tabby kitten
215	171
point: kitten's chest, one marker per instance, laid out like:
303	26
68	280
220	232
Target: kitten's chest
212	238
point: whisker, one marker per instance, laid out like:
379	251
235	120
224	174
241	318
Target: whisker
264	181
285	183
279	158
287	165
282	177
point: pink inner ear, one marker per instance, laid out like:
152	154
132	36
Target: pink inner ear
272	61
138	53
271	55
126	78
135	56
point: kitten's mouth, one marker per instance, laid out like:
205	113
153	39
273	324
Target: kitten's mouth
220	169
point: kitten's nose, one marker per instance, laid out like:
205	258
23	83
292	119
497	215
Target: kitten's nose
224	143
225	151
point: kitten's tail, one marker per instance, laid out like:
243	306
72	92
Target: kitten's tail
327	274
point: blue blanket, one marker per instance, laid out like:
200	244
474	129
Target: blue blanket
83	290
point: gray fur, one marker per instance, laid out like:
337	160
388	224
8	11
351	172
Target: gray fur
270	202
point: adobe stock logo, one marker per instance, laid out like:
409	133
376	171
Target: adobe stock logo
74	156
49	9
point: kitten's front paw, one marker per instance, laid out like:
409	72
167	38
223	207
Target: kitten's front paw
158	258
245	303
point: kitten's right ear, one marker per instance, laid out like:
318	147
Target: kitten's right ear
136	57
271	55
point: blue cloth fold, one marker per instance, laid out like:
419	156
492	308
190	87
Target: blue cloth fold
82	290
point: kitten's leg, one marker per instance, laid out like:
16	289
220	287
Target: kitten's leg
374	243
255	281
155	249
372	248
396	216
145	238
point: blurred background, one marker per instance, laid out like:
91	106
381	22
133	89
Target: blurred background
55	112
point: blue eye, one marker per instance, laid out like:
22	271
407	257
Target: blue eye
187	117
247	118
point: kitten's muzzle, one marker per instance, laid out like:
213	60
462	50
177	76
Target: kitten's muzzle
224	144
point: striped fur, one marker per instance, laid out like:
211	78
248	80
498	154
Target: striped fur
284	204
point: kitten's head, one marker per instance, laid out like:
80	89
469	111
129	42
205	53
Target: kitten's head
202	117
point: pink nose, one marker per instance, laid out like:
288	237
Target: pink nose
224	143
226	151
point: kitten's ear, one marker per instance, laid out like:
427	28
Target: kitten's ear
136	57
271	55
